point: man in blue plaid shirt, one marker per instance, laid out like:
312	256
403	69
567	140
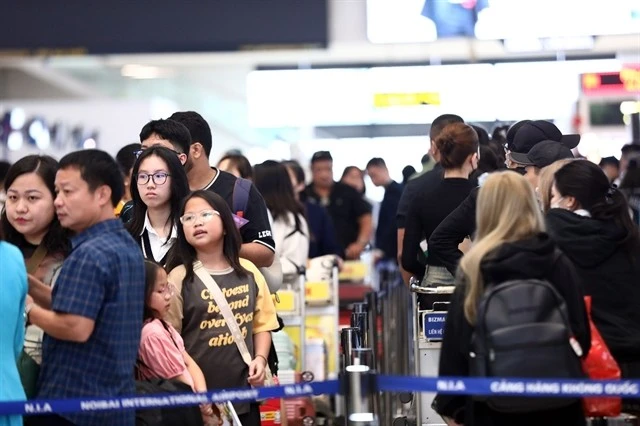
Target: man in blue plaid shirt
95	317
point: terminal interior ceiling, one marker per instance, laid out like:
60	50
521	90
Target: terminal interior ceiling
286	101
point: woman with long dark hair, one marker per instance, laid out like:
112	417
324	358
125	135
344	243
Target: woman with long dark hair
290	229
158	185
591	223
29	222
209	235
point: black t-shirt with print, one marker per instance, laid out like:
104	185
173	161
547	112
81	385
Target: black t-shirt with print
346	206
258	229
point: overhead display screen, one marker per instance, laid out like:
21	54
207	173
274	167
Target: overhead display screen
37	27
414	21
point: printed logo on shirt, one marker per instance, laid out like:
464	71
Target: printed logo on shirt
239	306
264	234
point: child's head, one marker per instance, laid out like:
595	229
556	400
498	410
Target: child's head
158	292
207	224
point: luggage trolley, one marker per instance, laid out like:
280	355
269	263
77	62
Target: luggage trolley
428	330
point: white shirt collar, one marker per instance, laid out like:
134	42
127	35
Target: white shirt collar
147	226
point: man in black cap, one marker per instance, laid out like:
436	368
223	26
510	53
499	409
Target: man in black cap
350	213
544	145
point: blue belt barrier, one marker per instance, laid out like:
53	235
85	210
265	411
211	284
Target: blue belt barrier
74	405
449	385
510	387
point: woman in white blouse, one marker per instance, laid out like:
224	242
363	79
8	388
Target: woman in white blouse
158	185
289	226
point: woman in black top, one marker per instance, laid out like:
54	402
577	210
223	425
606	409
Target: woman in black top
590	221
458	147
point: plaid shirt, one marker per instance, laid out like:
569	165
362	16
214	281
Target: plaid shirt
102	279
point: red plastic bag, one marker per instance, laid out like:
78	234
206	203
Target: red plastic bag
600	365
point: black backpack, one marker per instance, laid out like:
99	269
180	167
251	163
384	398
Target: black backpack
240	201
174	416
523	330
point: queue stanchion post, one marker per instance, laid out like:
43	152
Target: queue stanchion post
359	389
360	320
349	339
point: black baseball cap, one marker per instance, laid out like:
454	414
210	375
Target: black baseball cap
543	154
321	156
528	133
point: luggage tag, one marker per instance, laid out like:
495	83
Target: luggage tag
239	221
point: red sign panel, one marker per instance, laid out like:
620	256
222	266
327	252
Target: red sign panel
626	81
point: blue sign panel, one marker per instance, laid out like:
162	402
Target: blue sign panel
434	325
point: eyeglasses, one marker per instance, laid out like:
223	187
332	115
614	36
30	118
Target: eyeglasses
159	178
170	289
190	219
139	152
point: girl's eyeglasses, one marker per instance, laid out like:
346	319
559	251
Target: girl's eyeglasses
190	219
170	289
159	178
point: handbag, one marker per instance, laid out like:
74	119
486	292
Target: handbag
28	368
600	365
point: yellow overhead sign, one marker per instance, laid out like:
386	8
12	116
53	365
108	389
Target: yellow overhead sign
382	100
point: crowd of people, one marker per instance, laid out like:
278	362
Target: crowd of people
118	264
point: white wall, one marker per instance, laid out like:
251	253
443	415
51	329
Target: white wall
117	122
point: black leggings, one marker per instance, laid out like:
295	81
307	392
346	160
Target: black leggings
252	418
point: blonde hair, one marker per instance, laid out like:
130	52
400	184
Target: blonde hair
507	211
547	176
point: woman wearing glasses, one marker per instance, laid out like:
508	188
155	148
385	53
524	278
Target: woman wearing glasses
208	234
158	185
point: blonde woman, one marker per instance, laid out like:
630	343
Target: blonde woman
511	244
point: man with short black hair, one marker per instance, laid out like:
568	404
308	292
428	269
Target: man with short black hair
257	242
611	167
350	213
92	328
628	151
170	134
386	231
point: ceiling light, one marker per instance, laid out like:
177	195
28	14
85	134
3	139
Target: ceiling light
89	143
17	118
14	141
144	72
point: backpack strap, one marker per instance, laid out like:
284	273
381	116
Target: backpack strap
241	190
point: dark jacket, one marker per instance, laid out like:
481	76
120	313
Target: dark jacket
531	258
609	272
323	233
387	230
